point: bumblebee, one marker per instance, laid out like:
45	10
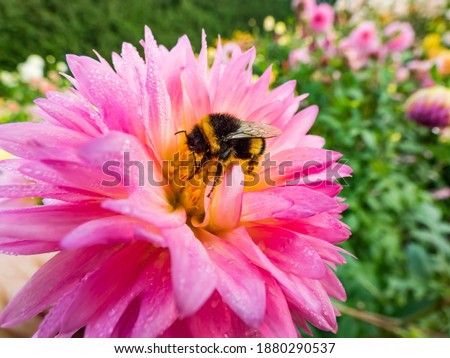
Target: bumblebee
221	137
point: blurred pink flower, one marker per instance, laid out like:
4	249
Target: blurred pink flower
401	36
321	17
303	6
364	38
143	260
299	56
355	58
430	107
402	74
422	71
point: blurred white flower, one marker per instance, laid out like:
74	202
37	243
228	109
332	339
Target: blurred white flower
9	79
61	67
269	23
32	69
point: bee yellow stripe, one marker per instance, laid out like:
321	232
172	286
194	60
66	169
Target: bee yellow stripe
256	144
208	132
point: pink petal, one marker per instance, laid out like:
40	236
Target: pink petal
239	282
306	202
109	93
44	223
311	141
105	285
158	309
127	157
76	177
230	192
333	286
193	274
196	97
323	226
68	110
261	205
144	206
216	320
159	126
277	322
114	229
47	191
289	251
295	130
297	293
39	140
54	280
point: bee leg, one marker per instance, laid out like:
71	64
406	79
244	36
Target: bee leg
198	166
216	177
252	163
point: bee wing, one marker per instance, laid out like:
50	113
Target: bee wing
254	130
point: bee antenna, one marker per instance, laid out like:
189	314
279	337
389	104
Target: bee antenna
185	132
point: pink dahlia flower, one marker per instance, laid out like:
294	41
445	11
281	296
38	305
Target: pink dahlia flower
161	259
299	56
401	36
364	38
430	107
321	17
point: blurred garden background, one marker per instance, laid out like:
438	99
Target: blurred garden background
360	61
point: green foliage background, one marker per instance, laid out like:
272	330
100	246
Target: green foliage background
57	27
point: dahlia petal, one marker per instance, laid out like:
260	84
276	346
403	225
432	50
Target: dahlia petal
295	130
145	207
202	62
105	285
127	156
216	320
113	229
193	274
160	126
278	321
301	323
98	82
333	286
104	324
224	92
258	206
239	282
231	192
158	309
307	202
196	97
68	111
45	223
54	280
73	176
298	294
288	251
326	250
326	187
46	191
10	246
39	140
317	301
311	141
51	325
130	67
300	166
323	226
127	321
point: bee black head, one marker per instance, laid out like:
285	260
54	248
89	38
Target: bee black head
196	142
